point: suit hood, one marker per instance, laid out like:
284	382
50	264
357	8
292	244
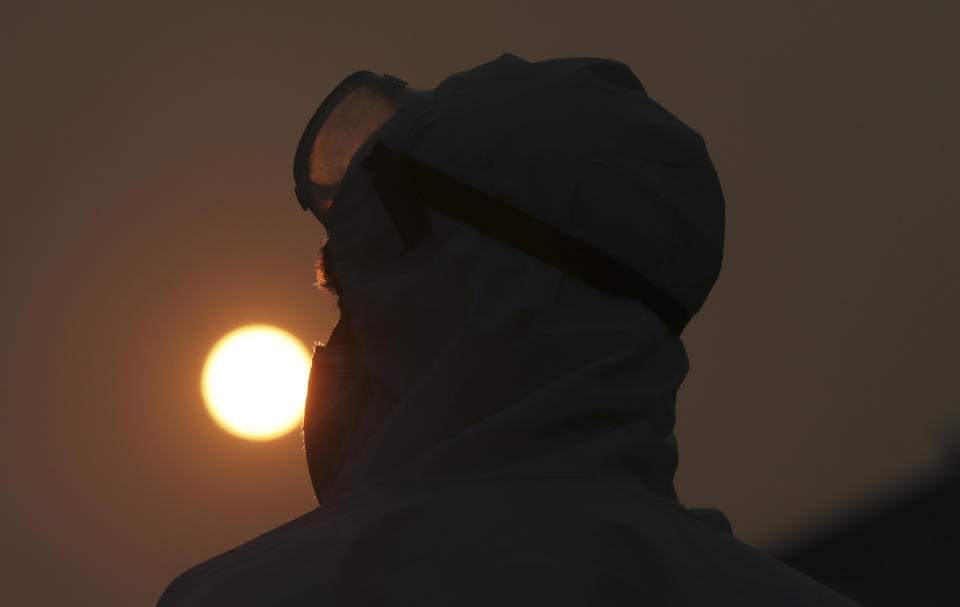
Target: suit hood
473	359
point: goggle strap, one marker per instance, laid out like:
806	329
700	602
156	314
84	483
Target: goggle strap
401	180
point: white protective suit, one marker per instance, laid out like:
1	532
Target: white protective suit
498	431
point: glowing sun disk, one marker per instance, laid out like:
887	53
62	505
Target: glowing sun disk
254	382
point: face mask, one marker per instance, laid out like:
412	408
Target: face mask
363	371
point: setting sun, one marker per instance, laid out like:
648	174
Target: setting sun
255	381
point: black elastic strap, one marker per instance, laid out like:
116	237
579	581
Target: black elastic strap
400	176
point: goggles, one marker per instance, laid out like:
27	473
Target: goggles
346	119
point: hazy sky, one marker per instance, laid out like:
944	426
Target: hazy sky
148	209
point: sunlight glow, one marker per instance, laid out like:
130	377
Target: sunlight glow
254	382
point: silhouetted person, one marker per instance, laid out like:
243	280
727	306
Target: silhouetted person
516	253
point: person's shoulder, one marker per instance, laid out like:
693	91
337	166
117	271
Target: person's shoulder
565	543
177	593
251	573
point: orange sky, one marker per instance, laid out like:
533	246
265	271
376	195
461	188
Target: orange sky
148	209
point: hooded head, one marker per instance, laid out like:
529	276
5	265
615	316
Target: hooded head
468	356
